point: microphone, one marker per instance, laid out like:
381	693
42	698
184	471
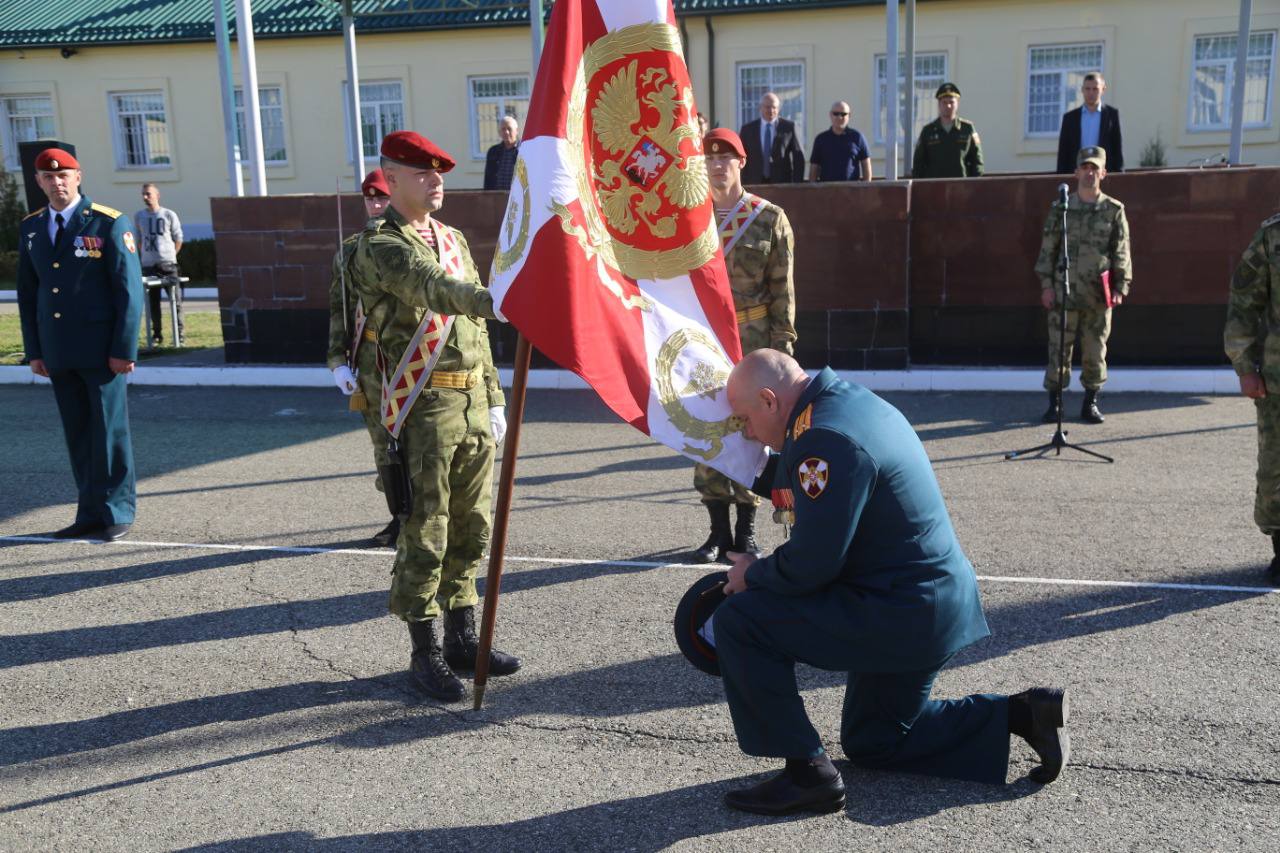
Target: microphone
1062	193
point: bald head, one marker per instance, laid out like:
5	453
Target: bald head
763	388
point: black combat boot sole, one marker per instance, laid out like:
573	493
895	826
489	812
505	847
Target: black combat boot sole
1050	710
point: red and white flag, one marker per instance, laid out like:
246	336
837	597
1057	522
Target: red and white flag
608	257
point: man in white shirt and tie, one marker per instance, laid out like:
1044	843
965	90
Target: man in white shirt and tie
774	154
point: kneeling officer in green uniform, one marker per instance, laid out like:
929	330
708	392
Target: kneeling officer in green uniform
80	303
442	407
872	582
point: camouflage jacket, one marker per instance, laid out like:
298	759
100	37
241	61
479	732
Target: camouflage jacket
1253	307
398	277
760	274
942	153
341	317
1098	240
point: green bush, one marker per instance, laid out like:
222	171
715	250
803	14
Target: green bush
8	266
12	209
198	261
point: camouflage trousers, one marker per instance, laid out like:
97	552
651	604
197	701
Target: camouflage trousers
1094	326
450	458
1266	505
716	488
370	384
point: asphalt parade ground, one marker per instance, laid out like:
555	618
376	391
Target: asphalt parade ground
228	679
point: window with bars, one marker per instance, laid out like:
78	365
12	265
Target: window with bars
784	79
493	98
26	119
381	112
1213	79
271	117
931	72
1055	73
141	130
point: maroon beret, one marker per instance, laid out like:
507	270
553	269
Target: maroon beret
415	150
55	160
375	184
722	140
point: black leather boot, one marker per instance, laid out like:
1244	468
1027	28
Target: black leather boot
720	540
1273	571
1039	716
1089	412
744	532
461	644
427	663
1050	415
387	536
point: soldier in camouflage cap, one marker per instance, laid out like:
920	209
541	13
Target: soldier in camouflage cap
1098	246
351	358
1253	309
406	266
758	247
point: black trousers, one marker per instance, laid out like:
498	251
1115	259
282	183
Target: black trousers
164	269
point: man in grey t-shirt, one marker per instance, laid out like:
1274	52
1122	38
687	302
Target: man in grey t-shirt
159	241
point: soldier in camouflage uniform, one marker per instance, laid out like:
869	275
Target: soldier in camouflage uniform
1253	309
448	440
759	249
1098	243
342	326
949	146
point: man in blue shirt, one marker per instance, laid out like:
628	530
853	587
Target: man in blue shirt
841	153
872	582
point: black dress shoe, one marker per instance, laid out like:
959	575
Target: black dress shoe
78	530
112	532
1049	708
779	795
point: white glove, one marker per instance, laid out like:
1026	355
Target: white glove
345	381
498	423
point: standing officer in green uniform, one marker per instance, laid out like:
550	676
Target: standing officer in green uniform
1253	310
406	268
758	247
872	582
1098	243
351	361
80	301
949	146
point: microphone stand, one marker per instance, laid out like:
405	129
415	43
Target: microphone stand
1059	439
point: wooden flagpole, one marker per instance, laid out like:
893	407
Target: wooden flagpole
502	516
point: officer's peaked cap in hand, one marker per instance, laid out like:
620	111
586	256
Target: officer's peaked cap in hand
416	151
692	614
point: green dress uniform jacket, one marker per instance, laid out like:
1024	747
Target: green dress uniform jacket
942	153
80	303
872	582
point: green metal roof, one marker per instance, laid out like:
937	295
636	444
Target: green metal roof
68	23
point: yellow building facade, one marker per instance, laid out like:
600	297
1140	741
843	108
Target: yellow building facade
151	112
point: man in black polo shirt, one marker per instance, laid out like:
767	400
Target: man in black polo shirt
841	153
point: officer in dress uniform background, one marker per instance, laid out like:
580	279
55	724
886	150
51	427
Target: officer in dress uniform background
80	304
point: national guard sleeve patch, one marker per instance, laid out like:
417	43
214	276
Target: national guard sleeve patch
813	476
128	243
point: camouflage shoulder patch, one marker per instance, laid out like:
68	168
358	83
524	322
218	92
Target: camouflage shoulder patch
109	212
1266	223
803	421
813	474
33	213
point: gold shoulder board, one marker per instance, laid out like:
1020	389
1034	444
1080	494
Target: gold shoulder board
803	422
109	212
33	213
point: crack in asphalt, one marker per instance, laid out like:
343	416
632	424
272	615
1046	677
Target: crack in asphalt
1164	771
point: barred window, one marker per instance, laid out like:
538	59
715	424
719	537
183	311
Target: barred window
931	72
1213	80
492	99
784	79
1055	73
271	117
141	130
26	119
381	112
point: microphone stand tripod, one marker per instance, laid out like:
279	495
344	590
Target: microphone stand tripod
1059	439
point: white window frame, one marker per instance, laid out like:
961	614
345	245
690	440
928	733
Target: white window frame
365	104
749	106
1229	67
117	132
516	106
1069	89
10	139
926	108
264	110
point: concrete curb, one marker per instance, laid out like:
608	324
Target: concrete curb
1151	380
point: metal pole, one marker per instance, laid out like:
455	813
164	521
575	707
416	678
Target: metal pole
910	132
228	97
891	90
535	30
353	92
1237	88
249	87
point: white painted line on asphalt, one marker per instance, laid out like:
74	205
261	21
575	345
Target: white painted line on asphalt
641	564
